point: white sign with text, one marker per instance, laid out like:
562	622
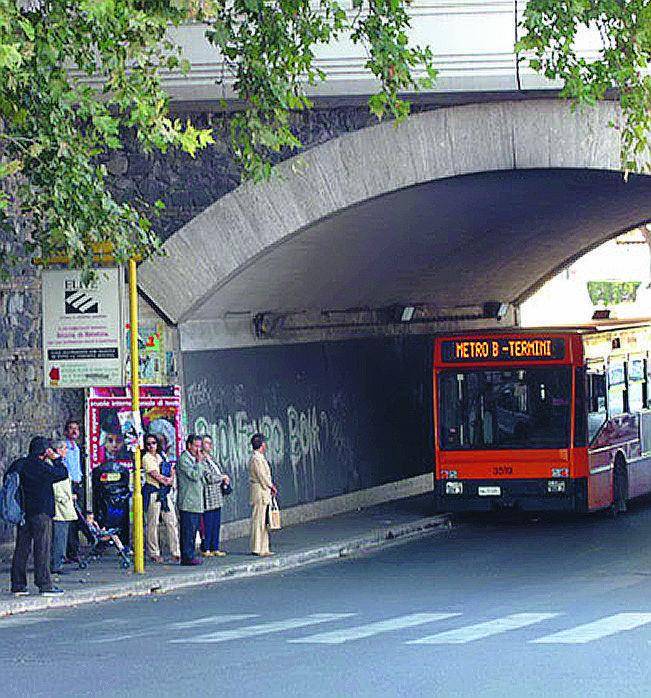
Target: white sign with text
83	329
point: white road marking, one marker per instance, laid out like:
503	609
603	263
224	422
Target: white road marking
338	637
113	638
14	621
263	628
596	630
224	618
182	625
125	636
106	621
481	630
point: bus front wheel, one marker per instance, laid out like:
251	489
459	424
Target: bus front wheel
620	486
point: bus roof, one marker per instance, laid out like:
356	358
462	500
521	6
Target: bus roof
594	326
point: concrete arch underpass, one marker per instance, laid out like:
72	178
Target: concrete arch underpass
454	208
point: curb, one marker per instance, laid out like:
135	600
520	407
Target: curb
284	561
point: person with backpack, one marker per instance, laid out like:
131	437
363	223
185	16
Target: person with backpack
11	496
38	473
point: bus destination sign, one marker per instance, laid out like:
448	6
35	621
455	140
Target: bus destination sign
503	349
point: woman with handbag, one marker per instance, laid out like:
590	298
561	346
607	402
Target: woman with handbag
159	478
215	485
262	492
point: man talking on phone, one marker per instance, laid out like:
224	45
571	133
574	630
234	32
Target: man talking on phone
39	471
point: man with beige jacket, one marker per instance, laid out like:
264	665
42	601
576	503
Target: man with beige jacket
262	490
64	513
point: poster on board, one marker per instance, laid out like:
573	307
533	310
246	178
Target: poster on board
110	420
151	352
82	329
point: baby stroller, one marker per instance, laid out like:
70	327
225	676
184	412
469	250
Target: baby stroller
100	539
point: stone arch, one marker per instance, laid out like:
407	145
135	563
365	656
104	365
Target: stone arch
226	238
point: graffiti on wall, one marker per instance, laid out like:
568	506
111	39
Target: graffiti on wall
297	435
338	416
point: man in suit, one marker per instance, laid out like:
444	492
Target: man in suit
190	497
262	490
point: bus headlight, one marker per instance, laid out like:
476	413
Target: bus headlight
454	488
555	486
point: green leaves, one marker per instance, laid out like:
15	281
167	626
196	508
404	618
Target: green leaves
53	126
552	46
270	54
9	168
383	29
10	57
612	292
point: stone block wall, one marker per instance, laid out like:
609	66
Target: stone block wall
27	407
189	185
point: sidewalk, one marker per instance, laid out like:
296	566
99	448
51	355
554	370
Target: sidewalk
316	541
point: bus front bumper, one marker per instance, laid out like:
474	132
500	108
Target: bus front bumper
522	495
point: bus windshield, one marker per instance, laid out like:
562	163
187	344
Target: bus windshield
505	408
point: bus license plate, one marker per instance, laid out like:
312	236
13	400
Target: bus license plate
489	491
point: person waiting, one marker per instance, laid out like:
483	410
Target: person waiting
64	513
159	479
213	480
190	497
38	472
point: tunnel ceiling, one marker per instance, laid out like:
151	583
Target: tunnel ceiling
453	242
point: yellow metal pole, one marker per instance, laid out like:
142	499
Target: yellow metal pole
138	531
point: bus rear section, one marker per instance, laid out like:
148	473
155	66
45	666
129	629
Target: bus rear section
505	426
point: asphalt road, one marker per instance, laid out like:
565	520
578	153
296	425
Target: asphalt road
558	607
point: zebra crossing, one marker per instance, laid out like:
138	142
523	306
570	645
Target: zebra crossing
547	628
595	630
338	637
479	631
263	628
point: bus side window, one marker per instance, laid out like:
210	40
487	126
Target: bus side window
617	388
636	387
597	412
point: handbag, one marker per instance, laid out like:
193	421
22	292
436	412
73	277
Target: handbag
273	513
226	487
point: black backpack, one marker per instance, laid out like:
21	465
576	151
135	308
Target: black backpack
11	495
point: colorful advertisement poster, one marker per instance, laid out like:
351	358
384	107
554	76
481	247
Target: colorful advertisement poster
151	352
82	329
111	427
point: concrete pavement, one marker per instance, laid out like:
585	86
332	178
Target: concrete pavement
303	544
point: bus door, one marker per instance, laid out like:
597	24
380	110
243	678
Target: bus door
600	484
638	470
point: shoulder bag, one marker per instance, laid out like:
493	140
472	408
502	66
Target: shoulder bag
274	515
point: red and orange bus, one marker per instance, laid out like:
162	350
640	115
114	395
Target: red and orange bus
543	419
